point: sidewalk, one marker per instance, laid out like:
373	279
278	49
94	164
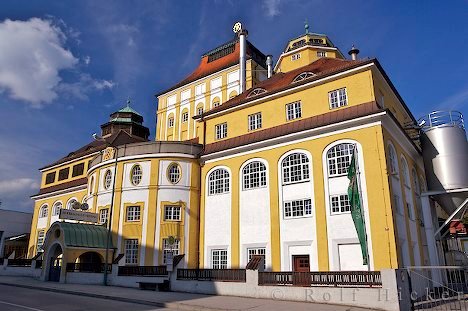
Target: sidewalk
172	300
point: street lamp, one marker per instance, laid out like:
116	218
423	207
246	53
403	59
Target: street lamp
109	221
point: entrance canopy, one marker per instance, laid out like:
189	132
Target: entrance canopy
79	235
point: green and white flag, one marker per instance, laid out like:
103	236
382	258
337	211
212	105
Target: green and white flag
356	209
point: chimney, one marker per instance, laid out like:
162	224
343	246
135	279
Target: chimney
242	58
269	63
353	52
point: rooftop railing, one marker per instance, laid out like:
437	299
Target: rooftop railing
441	118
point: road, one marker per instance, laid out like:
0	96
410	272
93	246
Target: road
23	299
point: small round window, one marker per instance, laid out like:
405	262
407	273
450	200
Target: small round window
173	173
136	174
107	179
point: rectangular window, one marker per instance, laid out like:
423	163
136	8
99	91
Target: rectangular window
221	130
296	56
133	213
338	98
40	239
167	248
321	54
170	122
172	213
199	111
260	251
131	251
410	211
50	178
255	121
340	204
78	170
63	173
293	111
103	215
219	259
184	117
298	208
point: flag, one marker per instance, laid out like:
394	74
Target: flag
356	209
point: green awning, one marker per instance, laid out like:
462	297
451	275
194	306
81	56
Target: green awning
84	235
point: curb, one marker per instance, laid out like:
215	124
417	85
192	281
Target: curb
170	305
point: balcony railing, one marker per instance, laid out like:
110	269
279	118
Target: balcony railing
441	118
19	262
142	271
224	275
338	278
88	267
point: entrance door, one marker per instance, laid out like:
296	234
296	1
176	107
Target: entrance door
301	270
55	268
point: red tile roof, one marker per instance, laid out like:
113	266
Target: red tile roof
282	81
294	127
205	68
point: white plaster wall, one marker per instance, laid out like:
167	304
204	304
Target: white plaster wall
216	90
254	219
233	82
298	236
217	221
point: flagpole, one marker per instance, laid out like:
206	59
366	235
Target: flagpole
358	173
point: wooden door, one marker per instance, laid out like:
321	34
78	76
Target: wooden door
301	270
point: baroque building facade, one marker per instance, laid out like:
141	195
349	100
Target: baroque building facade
252	159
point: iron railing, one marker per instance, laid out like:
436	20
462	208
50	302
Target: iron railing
441	118
142	270
223	275
19	262
88	267
332	278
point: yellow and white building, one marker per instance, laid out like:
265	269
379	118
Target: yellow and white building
251	159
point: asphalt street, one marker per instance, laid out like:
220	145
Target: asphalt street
23	299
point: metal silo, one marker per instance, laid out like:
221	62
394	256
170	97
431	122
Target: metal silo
445	154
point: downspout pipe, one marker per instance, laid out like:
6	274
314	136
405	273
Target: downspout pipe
242	59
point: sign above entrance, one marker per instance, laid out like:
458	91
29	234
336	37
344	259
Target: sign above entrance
78	215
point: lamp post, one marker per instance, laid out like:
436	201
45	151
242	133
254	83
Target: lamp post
109	220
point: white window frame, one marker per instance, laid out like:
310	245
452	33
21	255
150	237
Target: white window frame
40	240
338	164
303	76
133	213
393	161
70	203
199	111
136	174
44	211
218	181
338	98
172	213
295	168
170	122
175	248
174	173
56	209
297	208
293	111
184	117
255	121
254	175
343	204
221	130
321	54
257	251
131	251
103	215
219	258
107	182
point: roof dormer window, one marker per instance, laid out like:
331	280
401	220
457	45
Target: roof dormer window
304	76
256	92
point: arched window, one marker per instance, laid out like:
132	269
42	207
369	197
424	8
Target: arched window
70	203
200	110
44	211
216	102
256	92
56	208
338	159
136	174
254	175
232	94
295	168
107	179
218	181
173	173
404	171
392	161
303	76
422	184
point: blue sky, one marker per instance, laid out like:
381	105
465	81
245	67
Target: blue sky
66	65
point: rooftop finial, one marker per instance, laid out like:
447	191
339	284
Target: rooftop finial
306	26
128	101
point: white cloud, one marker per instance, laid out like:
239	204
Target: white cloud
272	7
10	188
84	85
103	84
455	101
32	57
87	60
